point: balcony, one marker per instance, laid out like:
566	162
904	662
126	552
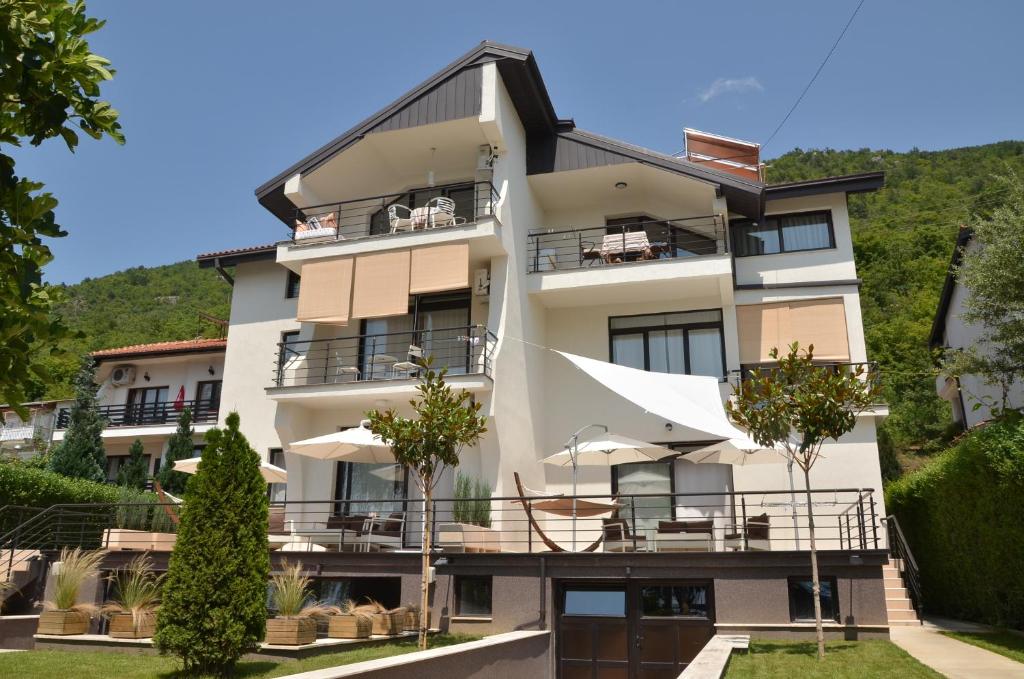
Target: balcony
630	261
146	414
381	364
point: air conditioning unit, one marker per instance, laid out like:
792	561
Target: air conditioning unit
122	375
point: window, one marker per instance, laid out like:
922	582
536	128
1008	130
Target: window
361	488
277	492
291	290
681	343
473	595
594	601
435	323
680	601
116	462
643	478
147	405
783	233
463	195
801	599
207	401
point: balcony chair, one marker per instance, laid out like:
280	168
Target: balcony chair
441	212
618	538
385	532
317	226
397	221
411	366
450	538
342	370
756	538
685	536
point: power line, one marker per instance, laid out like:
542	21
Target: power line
816	74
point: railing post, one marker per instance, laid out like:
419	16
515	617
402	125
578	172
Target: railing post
327	361
860	521
849	533
632	516
743	526
839	520
874	521
529	528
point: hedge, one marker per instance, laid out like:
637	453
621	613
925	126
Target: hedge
28	486
963	515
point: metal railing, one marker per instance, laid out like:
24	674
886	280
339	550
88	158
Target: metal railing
390	213
463	350
871	371
158	412
641	241
899	549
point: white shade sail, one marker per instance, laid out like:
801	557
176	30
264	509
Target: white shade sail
736	452
271	473
357	444
607	450
691	401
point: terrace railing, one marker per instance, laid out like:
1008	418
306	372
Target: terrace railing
369	217
871	371
158	412
463	350
640	241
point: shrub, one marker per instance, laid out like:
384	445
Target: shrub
179	447
133	474
81	454
76	567
137	592
472	501
963	515
214	607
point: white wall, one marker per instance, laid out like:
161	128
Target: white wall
172	372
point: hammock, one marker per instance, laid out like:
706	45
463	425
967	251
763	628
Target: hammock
528	507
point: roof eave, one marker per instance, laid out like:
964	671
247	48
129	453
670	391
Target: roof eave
948	286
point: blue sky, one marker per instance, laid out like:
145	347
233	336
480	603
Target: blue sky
217	97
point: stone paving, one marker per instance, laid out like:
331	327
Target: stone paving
950	657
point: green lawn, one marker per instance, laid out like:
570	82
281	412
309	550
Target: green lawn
1004	643
843	660
93	665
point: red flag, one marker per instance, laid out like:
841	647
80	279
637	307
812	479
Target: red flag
179	401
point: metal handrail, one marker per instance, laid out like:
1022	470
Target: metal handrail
157	412
899	548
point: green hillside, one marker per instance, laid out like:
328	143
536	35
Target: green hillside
136	306
903	237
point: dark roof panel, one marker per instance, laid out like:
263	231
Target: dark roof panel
850	183
234	256
946	296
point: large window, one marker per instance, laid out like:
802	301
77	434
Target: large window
361	489
147	405
783	233
676	601
687	343
437	324
473	595
644	478
801	599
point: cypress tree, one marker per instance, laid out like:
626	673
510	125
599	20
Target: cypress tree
179	447
214	602
81	454
133	474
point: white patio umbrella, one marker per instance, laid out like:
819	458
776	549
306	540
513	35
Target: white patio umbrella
357	444
271	473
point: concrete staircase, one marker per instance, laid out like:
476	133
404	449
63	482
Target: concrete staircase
897	601
23	570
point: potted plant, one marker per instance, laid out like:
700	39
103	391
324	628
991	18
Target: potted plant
64	615
385	622
295	622
412	618
132	615
349	621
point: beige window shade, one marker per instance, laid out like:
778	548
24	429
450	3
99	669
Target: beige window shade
381	285
439	268
326	292
821	322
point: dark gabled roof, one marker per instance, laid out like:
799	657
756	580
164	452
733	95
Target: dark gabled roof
850	183
571	148
453	92
946	297
253	253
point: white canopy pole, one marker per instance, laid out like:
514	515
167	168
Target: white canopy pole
572	445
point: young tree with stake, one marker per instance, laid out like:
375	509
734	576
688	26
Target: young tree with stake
794	407
445	422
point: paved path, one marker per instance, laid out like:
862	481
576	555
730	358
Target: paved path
951	657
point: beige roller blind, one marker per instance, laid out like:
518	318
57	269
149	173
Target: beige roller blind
326	292
381	285
821	322
439	268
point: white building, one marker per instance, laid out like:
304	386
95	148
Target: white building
142	390
969	396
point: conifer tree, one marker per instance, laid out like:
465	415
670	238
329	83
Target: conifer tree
134	472
81	454
179	447
214	602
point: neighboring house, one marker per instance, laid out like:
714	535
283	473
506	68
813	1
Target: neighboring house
969	396
28	437
143	389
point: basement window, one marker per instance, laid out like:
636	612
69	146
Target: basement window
801	600
473	595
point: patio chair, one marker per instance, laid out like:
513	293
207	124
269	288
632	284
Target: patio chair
450	538
755	538
618	538
385	532
397	221
442	213
411	365
343	370
342	531
685	536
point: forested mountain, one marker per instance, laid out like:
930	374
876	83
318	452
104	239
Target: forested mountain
136	306
903	237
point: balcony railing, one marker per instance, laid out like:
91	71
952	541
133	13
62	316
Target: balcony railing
159	412
641	241
464	350
870	374
413	210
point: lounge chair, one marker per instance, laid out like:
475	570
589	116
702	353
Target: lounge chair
685	536
318	226
753	538
385	532
618	538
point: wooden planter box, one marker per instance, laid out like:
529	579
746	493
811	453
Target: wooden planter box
412	621
389	623
349	627
121	627
119	539
63	622
291	631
